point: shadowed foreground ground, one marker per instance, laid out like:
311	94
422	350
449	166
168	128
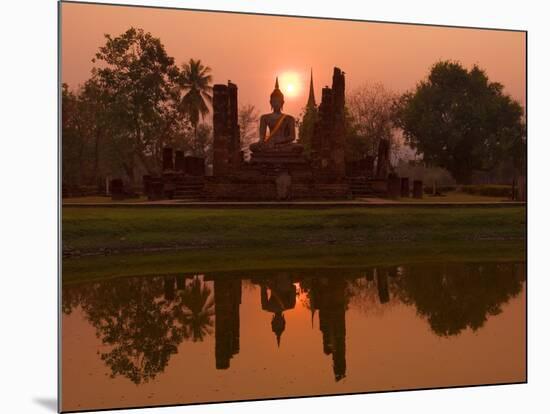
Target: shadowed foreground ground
245	259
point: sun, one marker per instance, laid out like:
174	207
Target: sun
290	84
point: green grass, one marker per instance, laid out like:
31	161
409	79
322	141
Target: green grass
89	230
242	260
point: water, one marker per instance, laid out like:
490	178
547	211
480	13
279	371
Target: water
188	338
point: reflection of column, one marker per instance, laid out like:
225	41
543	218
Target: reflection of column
382	284
227	299
331	302
169	288
180	282
369	275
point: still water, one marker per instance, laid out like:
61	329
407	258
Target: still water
188	338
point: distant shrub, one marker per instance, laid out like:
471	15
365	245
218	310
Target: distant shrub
487	190
428	189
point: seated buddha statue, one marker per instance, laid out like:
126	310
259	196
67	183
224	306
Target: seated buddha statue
282	128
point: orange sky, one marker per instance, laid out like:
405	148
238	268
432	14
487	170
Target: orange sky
251	50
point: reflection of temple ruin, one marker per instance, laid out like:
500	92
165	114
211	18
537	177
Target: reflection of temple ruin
328	297
227	299
451	297
283	173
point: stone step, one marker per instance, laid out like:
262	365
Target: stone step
189	187
186	194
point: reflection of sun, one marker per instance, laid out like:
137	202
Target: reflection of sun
290	84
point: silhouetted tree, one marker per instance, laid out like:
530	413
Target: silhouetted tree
73	142
139	327
459	120
306	127
139	81
371	118
195	81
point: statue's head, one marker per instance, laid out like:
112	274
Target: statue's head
277	99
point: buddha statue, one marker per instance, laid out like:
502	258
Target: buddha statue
282	128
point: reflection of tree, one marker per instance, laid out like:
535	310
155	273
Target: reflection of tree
198	310
455	296
142	321
227	299
139	328
373	294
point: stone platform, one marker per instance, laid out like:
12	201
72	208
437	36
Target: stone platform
273	186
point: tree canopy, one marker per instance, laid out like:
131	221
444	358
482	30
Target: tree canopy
370	108
137	101
459	120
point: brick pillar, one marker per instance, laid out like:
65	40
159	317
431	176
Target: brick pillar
339	126
221	138
178	164
405	190
418	189
167	159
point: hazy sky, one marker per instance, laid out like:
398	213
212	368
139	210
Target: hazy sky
251	50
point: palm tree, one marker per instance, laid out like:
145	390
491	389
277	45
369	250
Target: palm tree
195	80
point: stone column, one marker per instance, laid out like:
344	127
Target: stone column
233	126
339	126
117	189
394	186
227	141
405	190
220	139
167	159
383	162
418	189
179	164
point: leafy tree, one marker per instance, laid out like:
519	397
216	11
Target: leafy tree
72	144
459	120
306	127
139	81
370	110
195	80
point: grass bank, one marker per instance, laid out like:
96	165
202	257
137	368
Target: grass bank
119	230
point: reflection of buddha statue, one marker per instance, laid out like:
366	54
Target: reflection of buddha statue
281	297
282	128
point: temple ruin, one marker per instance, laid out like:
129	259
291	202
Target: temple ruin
278	169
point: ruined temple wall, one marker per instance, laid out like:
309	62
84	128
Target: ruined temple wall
339	123
328	142
220	132
233	128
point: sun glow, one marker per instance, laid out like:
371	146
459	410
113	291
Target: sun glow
290	84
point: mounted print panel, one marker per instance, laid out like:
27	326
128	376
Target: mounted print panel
259	206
